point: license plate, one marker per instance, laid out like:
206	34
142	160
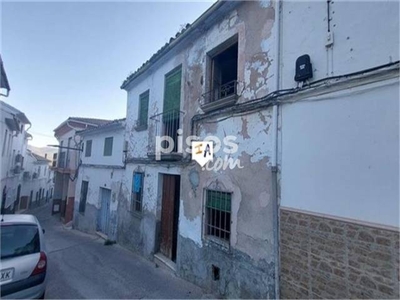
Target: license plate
7	274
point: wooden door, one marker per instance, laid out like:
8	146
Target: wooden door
167	215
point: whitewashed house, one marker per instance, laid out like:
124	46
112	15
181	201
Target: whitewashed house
67	163
100	178
310	93
14	137
37	181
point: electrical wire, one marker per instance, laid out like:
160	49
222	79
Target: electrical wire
270	99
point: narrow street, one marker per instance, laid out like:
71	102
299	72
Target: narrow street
81	266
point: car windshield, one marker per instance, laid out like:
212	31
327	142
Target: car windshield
18	240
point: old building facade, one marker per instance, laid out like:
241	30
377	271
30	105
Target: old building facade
339	151
301	198
68	162
14	126
213	227
100	178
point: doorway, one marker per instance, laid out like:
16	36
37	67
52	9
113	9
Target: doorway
170	215
104	212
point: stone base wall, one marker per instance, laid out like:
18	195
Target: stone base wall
239	275
322	257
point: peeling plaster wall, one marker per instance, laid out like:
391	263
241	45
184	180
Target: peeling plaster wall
251	254
98	178
139	231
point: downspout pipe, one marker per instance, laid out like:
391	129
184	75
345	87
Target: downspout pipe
274	158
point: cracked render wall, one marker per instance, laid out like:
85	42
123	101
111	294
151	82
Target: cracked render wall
97	177
247	265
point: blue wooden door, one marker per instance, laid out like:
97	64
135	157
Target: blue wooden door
104	213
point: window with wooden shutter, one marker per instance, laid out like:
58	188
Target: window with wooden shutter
108	145
143	110
172	92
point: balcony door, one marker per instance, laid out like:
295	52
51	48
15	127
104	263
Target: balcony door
172	104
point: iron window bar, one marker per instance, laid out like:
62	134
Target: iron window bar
219	92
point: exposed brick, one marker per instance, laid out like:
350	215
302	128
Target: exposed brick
380	256
364	236
383	241
339	273
324	258
365	281
385	289
324	227
325	267
337	230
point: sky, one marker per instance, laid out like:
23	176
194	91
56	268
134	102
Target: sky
69	58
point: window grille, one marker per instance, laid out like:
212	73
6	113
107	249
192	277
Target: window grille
218	214
137	191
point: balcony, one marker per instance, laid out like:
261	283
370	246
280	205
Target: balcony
165	126
220	96
27	175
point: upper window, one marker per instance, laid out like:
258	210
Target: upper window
82	201
108	145
137	191
88	149
172	91
143	110
218	215
223	71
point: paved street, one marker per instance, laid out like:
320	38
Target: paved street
81	266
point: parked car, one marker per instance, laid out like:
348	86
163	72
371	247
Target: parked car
23	257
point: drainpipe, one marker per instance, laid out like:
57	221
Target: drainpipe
274	158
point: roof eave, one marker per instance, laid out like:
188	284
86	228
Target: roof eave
195	26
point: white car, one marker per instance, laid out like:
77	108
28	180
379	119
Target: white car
23	258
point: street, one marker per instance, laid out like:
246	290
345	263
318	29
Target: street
81	266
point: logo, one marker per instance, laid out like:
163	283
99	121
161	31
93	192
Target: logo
202	152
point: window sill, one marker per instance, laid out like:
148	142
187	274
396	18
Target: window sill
137	214
216	242
220	103
141	127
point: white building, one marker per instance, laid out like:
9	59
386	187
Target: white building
100	176
314	212
68	162
14	138
37	181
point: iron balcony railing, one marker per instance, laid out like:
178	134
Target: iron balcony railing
219	92
165	124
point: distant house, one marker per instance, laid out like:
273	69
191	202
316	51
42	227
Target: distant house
68	162
4	84
14	137
98	184
37	181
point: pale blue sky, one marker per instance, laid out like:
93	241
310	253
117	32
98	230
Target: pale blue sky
69	59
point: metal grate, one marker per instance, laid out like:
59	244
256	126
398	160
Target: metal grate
137	191
218	214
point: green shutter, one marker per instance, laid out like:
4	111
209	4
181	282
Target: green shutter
108	145
219	200
143	108
172	92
